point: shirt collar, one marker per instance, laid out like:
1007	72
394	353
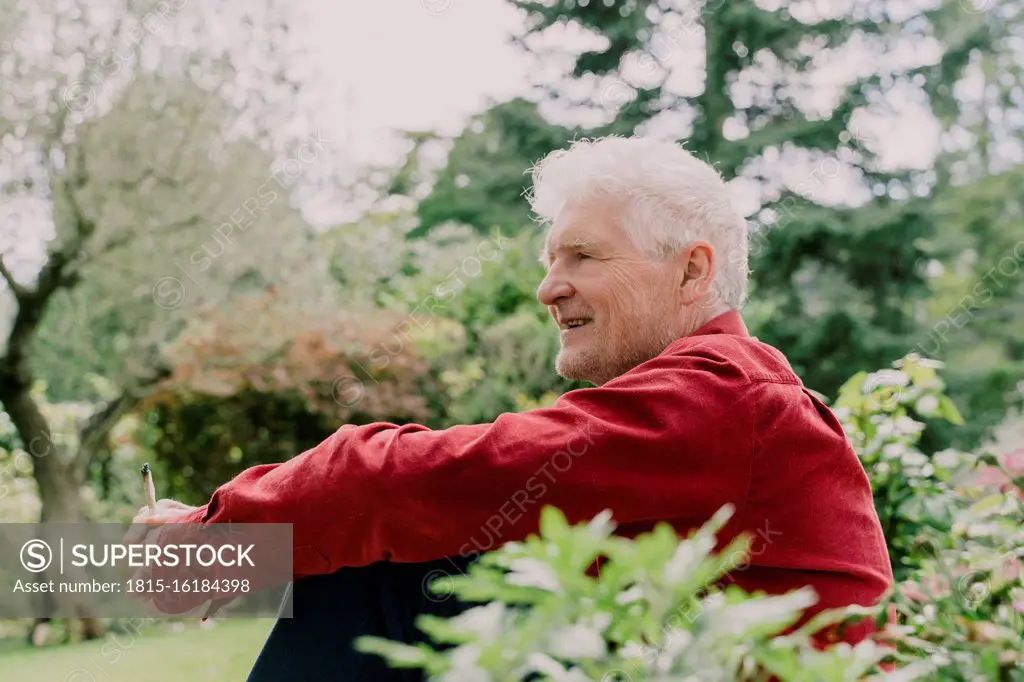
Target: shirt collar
728	322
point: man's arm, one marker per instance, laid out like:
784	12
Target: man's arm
668	440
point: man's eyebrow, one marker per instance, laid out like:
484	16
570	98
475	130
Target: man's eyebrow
568	245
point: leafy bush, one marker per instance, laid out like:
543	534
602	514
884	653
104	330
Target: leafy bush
962	611
650	614
956	542
655	612
913	492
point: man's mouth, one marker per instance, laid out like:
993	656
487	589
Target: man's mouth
573	323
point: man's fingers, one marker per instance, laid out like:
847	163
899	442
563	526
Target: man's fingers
171	505
164	506
143	527
146	518
136	533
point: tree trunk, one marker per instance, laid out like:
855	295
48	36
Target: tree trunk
59	483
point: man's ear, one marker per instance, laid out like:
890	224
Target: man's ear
698	262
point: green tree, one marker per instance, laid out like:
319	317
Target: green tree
120	161
485	177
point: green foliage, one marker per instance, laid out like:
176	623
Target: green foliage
112	492
651	614
978	297
850	275
483	182
963	609
199	442
912	491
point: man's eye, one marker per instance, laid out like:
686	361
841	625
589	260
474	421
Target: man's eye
582	256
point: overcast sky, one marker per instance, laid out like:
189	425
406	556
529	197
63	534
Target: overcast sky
399	64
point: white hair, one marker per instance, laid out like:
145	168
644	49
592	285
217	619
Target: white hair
672	200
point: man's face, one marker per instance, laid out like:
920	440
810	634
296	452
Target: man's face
615	307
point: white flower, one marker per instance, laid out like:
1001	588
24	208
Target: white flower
464	667
602	524
927	404
713	602
912	458
464	655
886	377
735	619
578	642
529	572
484	621
687	556
947	459
512	547
675	644
552	669
981	530
893	450
632	649
633	594
542	663
886	429
601	620
907	425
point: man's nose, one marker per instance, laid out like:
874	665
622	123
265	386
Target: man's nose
553	287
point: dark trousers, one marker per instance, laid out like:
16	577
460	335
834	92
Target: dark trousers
331	611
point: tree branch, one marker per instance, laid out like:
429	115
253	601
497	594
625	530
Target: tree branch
97	428
55	273
18	290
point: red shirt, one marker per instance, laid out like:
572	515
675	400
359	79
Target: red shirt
717	418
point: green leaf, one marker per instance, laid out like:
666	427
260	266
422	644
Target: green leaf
921	375
553	525
851	394
397	655
949	412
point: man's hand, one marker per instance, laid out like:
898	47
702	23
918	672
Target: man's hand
144	529
147	519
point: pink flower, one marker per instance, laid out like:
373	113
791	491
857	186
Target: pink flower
913	592
1012	571
990	476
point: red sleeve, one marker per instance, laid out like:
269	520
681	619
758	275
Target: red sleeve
670	439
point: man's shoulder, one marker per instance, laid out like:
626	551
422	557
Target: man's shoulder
757	361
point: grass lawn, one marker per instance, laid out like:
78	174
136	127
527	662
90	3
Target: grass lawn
224	652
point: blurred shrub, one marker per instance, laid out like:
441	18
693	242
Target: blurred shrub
270	381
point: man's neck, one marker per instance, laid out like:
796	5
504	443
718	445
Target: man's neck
701	316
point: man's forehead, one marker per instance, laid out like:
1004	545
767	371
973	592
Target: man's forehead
566	242
569	241
576	227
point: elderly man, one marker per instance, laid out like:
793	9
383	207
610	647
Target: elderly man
646	270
